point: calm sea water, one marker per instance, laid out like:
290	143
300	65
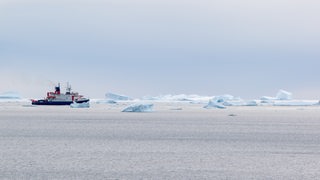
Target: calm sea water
103	143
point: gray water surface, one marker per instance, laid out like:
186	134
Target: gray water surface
253	143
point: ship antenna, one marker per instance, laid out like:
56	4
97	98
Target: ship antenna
68	88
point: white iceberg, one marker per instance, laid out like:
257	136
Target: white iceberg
80	105
284	98
296	103
284	95
228	100
10	95
214	104
117	97
218	101
267	99
281	95
240	102
193	98
139	108
106	101
251	103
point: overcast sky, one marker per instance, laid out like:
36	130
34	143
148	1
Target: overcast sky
247	48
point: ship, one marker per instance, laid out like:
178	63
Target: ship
58	98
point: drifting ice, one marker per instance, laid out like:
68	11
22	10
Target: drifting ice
180	97
106	101
218	101
228	100
240	102
80	105
284	95
296	103
10	95
117	97
281	95
214	104
139	108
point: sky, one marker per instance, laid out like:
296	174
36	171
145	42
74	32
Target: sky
246	48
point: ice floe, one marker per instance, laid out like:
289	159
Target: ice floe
284	98
218	101
296	103
80	105
281	95
139	107
10	95
193	98
284	95
117	97
228	100
106	101
214	104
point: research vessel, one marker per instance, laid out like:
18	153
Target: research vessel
58	98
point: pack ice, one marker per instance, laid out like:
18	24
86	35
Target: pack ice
10	95
218	101
80	105
117	97
228	100
284	98
141	107
193	98
281	95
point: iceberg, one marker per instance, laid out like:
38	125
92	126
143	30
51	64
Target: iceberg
10	95
139	108
295	103
281	95
240	102
228	100
219	101
214	104
284	95
267	98
80	105
252	103
193	98
284	98
117	97
106	101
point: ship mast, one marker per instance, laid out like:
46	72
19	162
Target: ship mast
68	90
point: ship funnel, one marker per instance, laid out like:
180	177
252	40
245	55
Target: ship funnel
57	88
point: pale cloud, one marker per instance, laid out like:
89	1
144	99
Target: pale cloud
168	46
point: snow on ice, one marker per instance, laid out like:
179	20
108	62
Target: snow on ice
139	108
